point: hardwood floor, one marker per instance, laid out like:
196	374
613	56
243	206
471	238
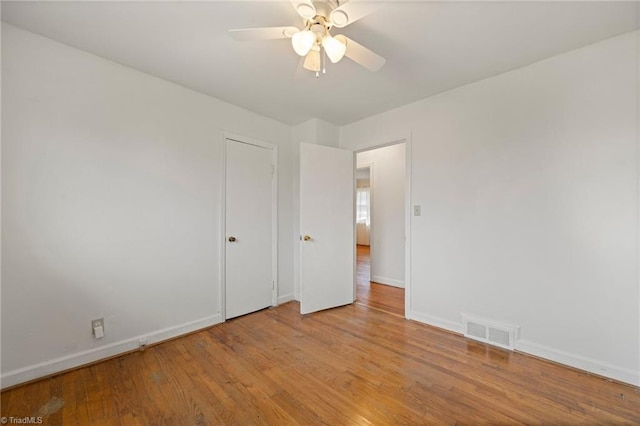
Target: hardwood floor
378	296
349	365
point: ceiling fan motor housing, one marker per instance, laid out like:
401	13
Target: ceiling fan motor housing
319	29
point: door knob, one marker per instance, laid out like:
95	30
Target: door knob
232	239
307	238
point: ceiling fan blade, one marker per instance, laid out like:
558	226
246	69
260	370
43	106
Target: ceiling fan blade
268	33
305	8
352	11
361	55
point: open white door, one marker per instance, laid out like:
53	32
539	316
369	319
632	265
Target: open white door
327	273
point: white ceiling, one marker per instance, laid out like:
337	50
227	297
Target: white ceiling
430	47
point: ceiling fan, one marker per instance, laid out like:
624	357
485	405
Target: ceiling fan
314	41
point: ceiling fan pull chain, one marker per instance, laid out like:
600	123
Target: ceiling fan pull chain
324	61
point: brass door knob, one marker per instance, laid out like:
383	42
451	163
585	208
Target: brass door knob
232	239
307	238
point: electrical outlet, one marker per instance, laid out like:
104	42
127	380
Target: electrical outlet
97	323
97	328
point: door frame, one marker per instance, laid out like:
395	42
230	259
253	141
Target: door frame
223	218
371	249
406	139
370	167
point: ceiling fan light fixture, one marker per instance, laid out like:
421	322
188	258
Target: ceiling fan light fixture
303	41
334	48
314	42
312	61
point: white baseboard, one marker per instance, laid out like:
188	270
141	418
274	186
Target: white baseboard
582	363
387	281
78	359
454	326
285	298
589	365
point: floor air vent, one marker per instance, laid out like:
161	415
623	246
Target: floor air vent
488	331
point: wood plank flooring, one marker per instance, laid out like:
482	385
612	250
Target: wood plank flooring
349	365
378	296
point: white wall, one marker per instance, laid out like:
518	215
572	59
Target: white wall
528	183
387	212
111	185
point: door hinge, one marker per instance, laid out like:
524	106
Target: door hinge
273	169
273	285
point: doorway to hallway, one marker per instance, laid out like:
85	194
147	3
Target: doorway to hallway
373	295
381	199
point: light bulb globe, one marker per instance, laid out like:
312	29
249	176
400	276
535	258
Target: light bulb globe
303	41
334	48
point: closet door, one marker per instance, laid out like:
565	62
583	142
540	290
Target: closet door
250	228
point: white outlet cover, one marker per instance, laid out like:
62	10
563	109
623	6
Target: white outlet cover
98	332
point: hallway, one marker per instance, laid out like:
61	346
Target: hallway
373	295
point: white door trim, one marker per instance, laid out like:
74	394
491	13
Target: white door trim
406	139
223	219
370	167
